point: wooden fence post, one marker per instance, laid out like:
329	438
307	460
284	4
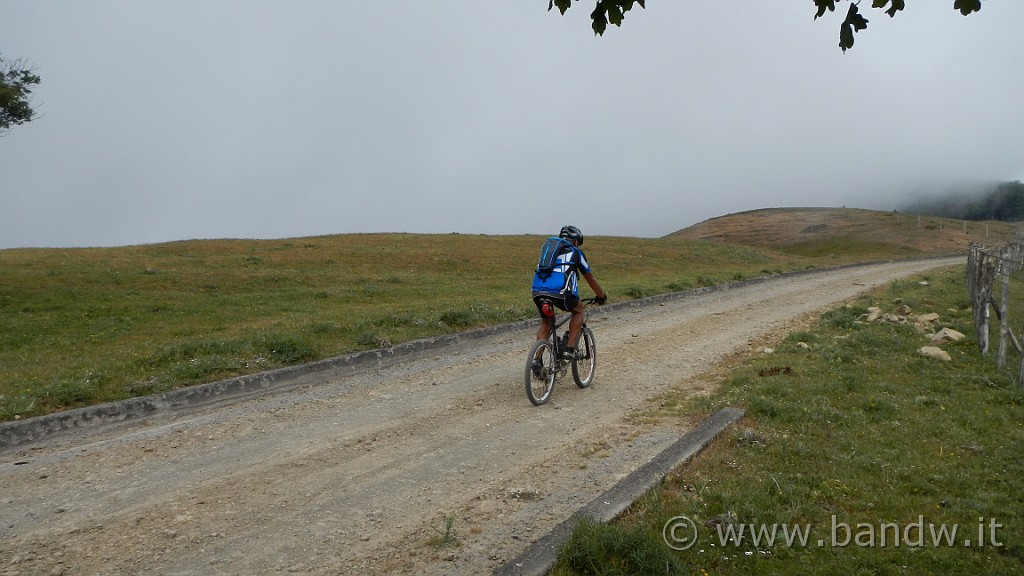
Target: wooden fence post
1020	379
1004	317
983	265
979	284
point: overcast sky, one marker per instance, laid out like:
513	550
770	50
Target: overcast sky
177	120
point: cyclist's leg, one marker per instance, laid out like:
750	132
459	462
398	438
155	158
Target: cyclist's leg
544	332
545	329
576	322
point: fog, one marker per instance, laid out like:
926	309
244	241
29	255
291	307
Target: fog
166	121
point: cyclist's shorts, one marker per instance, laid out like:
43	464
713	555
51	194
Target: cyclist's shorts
564	301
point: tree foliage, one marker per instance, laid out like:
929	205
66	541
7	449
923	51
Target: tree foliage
16	82
613	11
1003	202
605	12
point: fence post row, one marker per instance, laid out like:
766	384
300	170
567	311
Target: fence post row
984	265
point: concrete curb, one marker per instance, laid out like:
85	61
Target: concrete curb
541	556
188	400
194	398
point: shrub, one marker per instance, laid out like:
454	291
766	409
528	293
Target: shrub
599	550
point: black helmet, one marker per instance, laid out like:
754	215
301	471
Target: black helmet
571	233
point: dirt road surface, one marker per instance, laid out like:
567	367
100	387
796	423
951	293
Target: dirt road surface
358	476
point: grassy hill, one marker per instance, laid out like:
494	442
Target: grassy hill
847	232
81	326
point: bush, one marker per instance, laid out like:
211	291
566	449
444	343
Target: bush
611	550
287	349
636	292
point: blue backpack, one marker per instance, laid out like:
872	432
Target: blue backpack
549	255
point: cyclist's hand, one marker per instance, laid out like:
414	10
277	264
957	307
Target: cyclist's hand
601	299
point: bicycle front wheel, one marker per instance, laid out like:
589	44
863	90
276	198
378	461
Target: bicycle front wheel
541	367
584	366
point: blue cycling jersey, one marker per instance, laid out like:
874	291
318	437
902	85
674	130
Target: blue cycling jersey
564	279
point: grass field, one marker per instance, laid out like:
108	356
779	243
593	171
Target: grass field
872	452
83	326
92	325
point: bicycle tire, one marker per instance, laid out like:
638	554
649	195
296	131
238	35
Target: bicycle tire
539	388
583	368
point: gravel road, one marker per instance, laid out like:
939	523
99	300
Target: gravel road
358	475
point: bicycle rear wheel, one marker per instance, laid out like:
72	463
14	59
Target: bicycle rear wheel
540	380
585	365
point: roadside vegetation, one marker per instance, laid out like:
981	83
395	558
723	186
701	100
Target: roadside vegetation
866	453
92	325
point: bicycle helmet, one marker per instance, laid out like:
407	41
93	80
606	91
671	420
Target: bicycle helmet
571	233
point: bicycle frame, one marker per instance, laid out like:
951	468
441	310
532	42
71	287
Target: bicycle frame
545	363
556	324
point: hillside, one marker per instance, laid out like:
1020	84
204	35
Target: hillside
89	325
822	231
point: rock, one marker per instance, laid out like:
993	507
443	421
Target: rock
874	313
722	519
750	436
936	353
947	335
927	318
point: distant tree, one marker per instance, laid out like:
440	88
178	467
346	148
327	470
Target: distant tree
16	82
1009	202
613	11
1003	202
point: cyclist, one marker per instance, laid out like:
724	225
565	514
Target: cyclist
561	286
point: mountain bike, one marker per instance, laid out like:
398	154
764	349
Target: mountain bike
541	376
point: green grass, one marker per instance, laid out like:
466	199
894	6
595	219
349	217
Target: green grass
840	246
83	326
851	432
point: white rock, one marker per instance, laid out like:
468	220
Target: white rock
947	335
874	313
936	353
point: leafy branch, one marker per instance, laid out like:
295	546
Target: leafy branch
16	82
605	12
613	11
855	22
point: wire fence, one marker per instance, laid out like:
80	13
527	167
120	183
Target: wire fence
987	265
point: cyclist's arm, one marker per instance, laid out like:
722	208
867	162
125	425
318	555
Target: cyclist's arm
598	291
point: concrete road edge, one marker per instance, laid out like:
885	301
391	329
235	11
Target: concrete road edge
541	556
